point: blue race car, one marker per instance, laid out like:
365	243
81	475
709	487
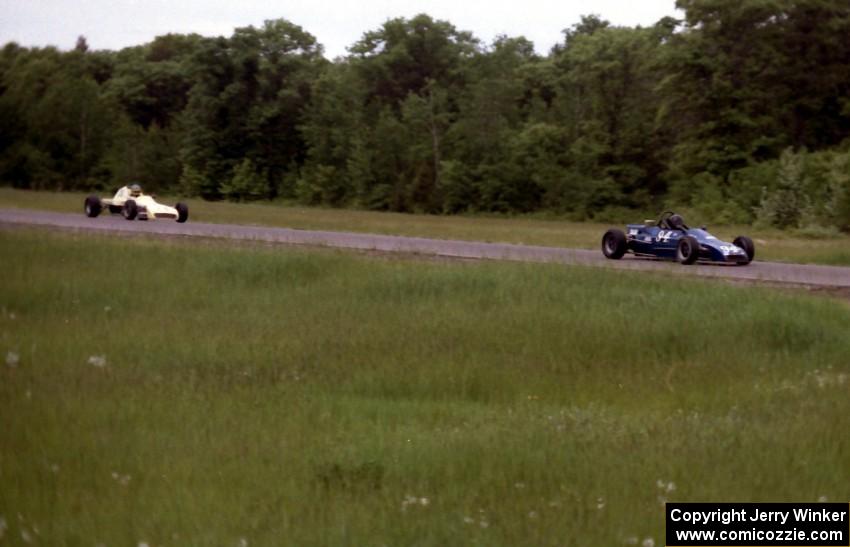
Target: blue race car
670	238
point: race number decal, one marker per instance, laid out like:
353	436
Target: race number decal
667	235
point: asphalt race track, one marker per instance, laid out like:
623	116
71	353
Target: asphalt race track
767	272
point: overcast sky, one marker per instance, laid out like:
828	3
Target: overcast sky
337	24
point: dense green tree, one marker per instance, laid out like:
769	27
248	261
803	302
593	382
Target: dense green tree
607	105
59	121
739	111
152	82
426	117
334	130
491	109
247	101
405	55
748	78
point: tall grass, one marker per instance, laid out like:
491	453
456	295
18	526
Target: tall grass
177	394
771	244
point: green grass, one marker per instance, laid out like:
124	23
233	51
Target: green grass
317	398
770	244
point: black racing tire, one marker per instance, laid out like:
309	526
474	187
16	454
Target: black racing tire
747	244
130	210
182	212
614	244
92	206
688	250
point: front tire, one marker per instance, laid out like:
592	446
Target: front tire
130	210
614	244
92	206
182	212
688	250
747	244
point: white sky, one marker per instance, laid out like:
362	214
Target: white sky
337	24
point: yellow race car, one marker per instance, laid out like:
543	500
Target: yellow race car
132	204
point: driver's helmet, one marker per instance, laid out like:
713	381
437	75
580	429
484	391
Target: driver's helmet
676	222
135	190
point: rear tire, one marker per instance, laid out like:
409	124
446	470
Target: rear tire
614	244
747	244
182	212
688	250
130	210
92	206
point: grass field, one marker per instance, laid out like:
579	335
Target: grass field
174	394
771	244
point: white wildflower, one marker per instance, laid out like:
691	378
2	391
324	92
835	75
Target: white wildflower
483	524
822	499
413	500
242	542
123	480
408	500
468	520
3	526
631	540
665	486
532	514
98	361
600	503
54	467
26	536
107	309
12	359
648	542
12	316
143	544
519	485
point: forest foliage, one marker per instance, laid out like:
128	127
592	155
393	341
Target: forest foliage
740	111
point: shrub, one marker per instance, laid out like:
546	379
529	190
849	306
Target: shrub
247	183
784	206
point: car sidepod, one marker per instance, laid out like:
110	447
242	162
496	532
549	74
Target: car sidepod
653	241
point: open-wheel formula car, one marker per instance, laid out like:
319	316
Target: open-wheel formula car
131	203
670	238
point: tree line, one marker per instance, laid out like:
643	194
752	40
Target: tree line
740	111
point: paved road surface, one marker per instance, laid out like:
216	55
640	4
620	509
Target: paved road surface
771	272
